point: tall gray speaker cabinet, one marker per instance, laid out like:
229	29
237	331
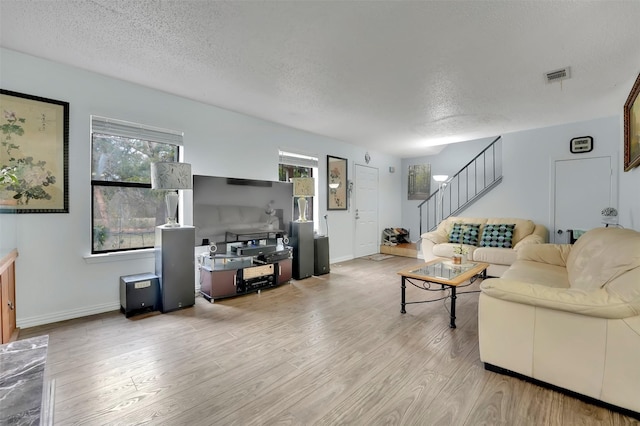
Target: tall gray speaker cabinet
175	266
302	242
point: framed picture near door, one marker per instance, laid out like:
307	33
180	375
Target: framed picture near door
337	183
632	128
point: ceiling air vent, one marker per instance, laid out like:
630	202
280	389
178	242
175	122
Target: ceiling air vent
558	75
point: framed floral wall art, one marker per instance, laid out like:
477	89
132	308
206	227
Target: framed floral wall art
337	183
34	149
632	128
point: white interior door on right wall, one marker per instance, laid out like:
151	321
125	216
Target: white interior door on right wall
583	187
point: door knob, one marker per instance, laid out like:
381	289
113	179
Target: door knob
560	231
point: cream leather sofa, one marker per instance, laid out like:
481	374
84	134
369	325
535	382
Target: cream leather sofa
569	316
436	243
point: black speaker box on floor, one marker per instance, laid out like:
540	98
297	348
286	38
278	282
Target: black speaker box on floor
139	293
321	255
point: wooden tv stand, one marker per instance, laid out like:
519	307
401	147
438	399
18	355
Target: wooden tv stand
223	283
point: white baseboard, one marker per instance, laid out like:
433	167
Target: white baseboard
76	313
67	315
341	259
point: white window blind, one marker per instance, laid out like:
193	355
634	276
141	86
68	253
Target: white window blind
111	126
300	160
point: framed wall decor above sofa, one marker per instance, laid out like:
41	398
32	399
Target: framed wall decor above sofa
632	128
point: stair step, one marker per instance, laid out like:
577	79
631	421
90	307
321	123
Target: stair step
405	249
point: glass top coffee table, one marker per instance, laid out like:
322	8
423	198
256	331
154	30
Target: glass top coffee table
444	274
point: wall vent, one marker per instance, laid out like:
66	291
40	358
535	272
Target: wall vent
558	75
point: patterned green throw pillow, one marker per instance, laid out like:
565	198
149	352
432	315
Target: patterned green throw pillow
497	236
465	233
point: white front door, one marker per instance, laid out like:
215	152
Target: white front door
583	187
366	210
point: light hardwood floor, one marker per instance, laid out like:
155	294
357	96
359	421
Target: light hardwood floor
325	350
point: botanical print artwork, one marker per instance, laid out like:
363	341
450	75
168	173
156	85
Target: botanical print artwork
32	152
337	183
32	177
335	175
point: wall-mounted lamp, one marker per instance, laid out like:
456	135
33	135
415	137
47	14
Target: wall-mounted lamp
171	176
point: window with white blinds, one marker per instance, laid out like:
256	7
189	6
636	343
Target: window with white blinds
125	210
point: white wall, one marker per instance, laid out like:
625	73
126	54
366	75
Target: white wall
56	279
528	157
8	235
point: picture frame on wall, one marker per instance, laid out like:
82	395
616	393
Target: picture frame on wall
632	128
34	142
419	182
336	183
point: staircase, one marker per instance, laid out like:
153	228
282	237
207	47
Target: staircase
475	179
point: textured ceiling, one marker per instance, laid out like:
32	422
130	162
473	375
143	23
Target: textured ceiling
393	76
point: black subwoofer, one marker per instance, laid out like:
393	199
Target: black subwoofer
139	293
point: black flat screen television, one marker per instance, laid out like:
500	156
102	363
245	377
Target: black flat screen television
224	207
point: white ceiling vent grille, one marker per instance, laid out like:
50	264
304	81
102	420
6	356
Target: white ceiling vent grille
558	75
